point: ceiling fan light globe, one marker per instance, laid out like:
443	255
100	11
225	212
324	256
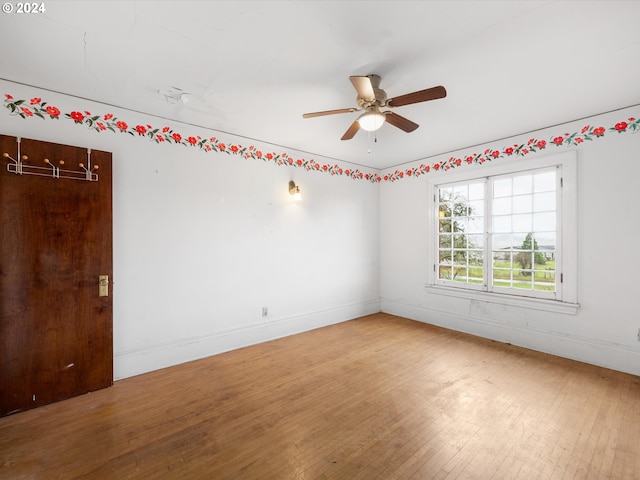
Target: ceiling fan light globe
371	121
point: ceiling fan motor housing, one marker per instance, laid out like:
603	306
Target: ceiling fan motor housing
380	95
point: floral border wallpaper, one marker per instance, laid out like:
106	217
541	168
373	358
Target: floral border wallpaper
36	107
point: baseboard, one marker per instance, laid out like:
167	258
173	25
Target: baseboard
592	351
149	358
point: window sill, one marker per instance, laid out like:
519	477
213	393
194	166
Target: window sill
512	300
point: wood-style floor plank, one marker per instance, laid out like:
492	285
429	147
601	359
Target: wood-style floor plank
379	397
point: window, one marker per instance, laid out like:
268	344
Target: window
510	232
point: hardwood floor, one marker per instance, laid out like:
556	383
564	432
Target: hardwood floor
379	397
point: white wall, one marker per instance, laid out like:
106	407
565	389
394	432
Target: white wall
605	329
203	241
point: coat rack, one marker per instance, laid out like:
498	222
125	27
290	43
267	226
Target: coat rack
20	168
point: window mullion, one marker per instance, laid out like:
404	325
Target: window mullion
488	243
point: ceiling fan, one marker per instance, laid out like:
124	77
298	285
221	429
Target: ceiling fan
373	100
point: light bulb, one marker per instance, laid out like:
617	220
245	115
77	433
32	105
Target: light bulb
371	120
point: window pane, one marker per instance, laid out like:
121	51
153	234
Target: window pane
502	206
460	274
522	184
460	193
460	257
445	193
475	225
445	256
476	207
519	241
544	221
444	241
523	204
476	275
544	182
502	224
544	202
522	223
546	240
475	241
476	191
502	188
444	225
476	257
445	273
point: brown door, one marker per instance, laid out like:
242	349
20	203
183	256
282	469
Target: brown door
56	333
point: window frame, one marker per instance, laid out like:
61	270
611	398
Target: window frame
566	225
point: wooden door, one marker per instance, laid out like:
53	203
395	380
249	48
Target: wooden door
56	333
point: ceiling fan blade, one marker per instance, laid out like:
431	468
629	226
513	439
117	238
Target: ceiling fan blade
351	131
401	122
364	87
329	112
416	97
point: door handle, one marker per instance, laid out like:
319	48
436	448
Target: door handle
103	285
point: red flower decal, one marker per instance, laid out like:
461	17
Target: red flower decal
269	156
8	97
101	126
165	129
234	148
141	130
598	131
108	116
495	154
259	154
176	137
159	138
192	140
558	140
541	144
36	100
53	111
26	111
509	151
77	116
621	127
222	146
122	125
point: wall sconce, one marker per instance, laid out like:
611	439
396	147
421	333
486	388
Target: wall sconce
294	191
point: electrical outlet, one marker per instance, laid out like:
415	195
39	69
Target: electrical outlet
265	312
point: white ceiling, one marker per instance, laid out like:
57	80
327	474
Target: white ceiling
252	68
